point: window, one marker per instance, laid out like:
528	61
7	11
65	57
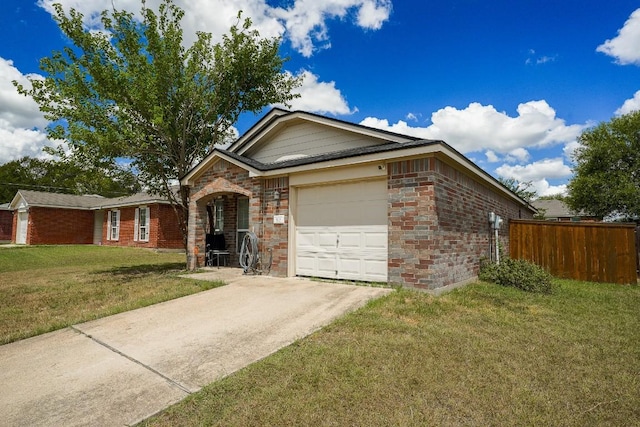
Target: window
218	216
243	221
141	224
113	225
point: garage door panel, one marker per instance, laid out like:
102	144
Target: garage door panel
327	265
375	270
375	240
327	239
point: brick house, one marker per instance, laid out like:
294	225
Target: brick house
6	222
140	220
339	200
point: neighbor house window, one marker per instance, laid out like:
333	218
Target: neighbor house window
113	225
141	225
243	221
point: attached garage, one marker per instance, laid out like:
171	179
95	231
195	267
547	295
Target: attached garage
342	232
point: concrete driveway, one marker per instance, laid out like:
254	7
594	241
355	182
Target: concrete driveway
122	369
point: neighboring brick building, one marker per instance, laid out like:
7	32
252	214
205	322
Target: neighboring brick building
6	222
141	220
337	200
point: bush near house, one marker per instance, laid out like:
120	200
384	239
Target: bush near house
517	273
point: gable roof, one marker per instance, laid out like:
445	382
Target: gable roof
84	202
277	119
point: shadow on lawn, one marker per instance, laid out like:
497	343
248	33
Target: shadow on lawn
144	269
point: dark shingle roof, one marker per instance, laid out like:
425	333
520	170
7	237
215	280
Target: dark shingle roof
40	198
556	209
343	154
72	201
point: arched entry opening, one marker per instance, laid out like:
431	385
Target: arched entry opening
218	219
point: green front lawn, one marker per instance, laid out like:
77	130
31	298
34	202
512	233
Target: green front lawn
482	355
43	288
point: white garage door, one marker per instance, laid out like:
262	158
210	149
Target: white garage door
341	231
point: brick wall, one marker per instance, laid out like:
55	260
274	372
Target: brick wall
6	224
51	226
165	228
438	223
164	231
275	237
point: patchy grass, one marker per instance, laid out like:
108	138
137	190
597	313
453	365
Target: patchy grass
44	288
482	355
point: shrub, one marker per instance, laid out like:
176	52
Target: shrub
517	273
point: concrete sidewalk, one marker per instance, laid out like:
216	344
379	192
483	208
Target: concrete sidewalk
122	369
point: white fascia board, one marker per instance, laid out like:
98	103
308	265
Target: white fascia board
188	179
130	204
256	128
16	200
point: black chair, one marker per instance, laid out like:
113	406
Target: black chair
216	250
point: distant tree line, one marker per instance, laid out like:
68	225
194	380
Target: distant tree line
64	176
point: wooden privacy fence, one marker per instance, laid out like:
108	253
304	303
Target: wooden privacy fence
595	252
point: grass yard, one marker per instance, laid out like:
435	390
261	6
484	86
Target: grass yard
44	288
482	355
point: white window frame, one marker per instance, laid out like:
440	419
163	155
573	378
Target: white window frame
140	228
240	232
113	225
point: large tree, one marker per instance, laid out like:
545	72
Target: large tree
606	177
64	175
134	91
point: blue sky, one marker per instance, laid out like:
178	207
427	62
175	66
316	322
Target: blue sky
511	84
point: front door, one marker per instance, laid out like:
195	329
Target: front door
21	232
98	223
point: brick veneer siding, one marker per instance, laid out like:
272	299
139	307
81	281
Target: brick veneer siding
53	226
165	227
275	237
438	223
164	231
6	225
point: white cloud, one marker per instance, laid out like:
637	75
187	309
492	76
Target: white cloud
624	47
319	97
546	168
630	105
479	127
373	14
15	109
518	154
21	122
492	157
303	22
537	173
